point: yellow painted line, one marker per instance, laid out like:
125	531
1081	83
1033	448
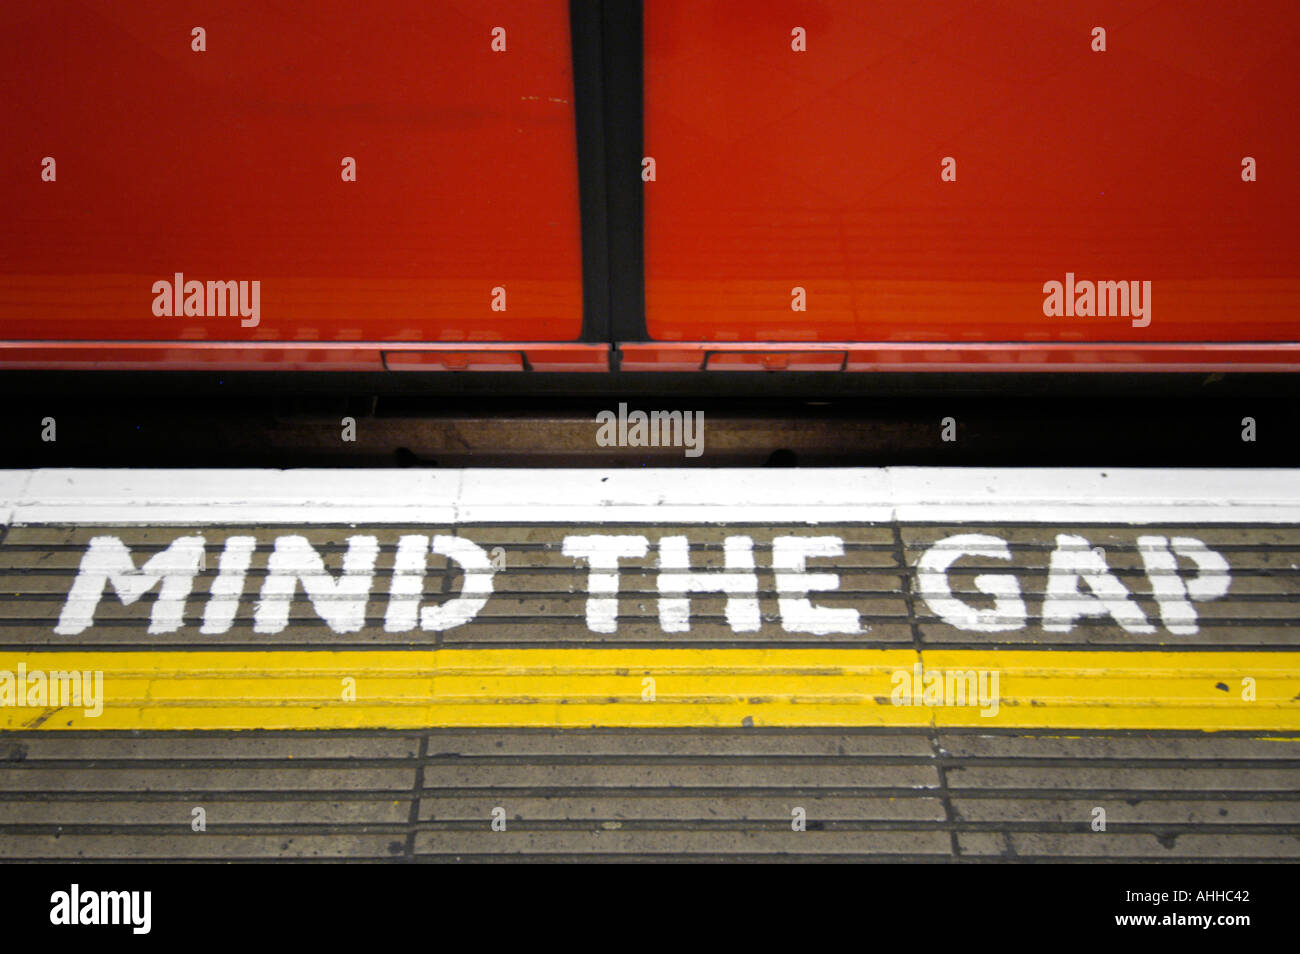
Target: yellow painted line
573	688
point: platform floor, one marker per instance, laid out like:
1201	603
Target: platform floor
911	664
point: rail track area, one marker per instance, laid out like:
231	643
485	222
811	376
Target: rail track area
923	664
743	420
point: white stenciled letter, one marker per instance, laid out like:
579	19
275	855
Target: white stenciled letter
340	602
107	560
1171	593
476	566
602	554
1074	559
408	584
228	587
738	580
1008	610
798	615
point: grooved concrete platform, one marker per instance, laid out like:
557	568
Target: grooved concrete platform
620	795
481	668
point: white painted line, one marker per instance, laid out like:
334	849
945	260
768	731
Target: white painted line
13	483
445	497
237	496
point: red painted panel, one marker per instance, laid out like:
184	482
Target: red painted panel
778	169
453	360
226	165
768	360
971	357
298	356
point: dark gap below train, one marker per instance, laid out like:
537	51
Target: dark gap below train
131	427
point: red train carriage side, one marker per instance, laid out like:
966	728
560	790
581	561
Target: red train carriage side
816	185
971	186
235	186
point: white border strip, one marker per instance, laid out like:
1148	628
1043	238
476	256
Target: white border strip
523	496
